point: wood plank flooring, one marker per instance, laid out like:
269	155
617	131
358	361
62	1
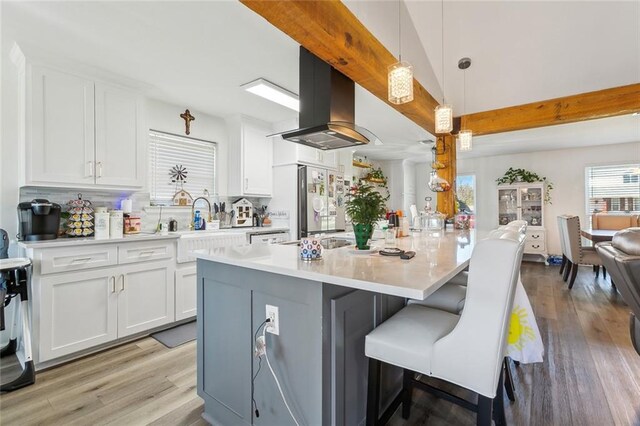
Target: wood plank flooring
591	374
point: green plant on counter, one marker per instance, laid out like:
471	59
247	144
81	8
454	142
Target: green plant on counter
365	206
521	175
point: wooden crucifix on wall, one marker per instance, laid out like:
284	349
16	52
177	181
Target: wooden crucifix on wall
188	118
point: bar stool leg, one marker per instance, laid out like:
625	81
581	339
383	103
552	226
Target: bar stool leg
407	392
373	392
485	408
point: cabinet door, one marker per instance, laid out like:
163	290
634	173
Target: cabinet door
78	310
186	289
59	128
257	161
329	159
308	155
145	297
120	137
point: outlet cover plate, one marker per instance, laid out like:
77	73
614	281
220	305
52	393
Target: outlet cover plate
273	327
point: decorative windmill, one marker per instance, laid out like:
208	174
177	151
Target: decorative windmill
178	175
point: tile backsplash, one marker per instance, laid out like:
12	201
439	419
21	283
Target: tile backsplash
150	215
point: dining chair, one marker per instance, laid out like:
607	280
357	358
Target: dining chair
622	257
466	350
565	267
614	221
578	254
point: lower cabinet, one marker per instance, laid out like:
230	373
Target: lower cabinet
146	297
81	310
186	292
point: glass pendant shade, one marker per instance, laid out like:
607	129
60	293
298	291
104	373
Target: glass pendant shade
400	83
465	137
444	118
438	184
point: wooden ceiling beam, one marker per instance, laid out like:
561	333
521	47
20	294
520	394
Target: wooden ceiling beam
569	109
330	31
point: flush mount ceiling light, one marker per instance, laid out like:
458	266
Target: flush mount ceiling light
273	92
465	137
400	79
444	112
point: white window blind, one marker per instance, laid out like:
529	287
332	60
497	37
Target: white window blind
613	188
198	157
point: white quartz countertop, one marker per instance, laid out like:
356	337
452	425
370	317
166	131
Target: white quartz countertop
73	242
70	242
439	256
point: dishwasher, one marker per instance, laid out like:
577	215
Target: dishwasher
268	237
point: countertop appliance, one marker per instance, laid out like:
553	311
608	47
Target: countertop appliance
327	107
321	201
268	237
242	213
38	220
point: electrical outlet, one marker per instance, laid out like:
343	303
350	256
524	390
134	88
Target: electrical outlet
273	326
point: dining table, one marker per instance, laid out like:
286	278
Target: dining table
598	235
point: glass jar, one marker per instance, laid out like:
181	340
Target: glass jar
435	221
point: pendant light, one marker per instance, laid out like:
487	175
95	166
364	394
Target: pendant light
465	137
400	78
444	112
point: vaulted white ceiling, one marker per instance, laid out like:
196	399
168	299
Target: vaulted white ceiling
197	54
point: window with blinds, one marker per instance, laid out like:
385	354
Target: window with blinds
613	188
166	151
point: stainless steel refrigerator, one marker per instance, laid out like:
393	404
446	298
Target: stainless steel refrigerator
321	200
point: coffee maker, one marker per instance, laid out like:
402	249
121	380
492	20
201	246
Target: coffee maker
38	220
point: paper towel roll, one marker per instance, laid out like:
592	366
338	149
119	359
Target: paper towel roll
126	206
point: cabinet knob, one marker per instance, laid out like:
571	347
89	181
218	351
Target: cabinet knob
90	164
122	282
99	168
113	283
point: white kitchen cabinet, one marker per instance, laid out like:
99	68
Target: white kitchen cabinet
186	292
525	202
80	132
250	158
60	128
78	310
120	137
92	295
145	297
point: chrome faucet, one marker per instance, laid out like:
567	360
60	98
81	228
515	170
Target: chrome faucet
193	207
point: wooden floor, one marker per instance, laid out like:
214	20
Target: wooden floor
591	374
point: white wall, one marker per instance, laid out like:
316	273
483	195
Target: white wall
9	134
564	168
166	118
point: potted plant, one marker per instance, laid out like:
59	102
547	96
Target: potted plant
521	175
365	206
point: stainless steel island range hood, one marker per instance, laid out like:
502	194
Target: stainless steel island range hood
327	107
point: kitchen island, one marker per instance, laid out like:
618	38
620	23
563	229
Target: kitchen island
326	308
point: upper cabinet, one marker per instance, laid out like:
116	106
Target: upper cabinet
250	158
120	137
80	132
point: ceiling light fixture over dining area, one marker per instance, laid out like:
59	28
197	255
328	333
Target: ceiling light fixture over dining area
400	81
443	113
465	136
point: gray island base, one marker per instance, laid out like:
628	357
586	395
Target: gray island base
318	355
